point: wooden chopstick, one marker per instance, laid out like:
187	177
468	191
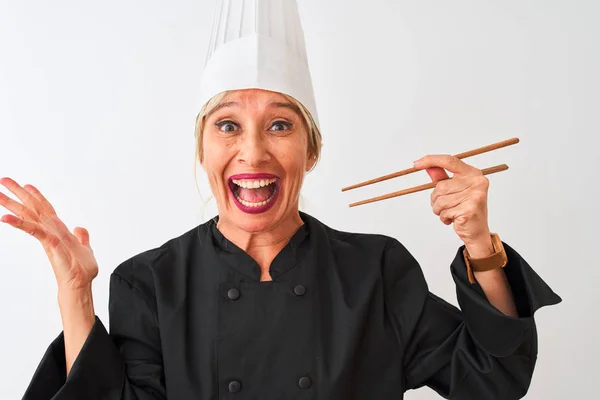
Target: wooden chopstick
466	154
486	171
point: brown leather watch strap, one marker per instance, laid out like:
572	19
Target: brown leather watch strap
497	260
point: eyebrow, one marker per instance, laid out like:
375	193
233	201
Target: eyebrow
273	104
222	105
293	107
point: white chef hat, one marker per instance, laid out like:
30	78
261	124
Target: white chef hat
258	44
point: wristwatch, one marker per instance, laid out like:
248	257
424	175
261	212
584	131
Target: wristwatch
496	260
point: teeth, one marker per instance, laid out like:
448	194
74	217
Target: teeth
262	203
253	183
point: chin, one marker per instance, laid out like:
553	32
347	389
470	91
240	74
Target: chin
255	222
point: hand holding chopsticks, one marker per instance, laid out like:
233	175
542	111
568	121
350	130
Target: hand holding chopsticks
460	200
481	150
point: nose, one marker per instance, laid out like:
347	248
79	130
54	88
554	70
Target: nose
254	150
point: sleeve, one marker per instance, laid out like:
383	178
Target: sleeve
123	365
476	352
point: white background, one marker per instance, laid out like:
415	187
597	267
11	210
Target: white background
97	107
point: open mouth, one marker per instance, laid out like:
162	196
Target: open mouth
254	193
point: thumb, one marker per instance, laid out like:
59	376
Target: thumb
437	173
82	236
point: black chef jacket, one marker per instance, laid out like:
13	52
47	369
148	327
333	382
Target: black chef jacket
346	316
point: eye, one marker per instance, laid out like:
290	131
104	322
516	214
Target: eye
281	126
226	126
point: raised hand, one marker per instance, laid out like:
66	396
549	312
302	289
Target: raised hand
70	254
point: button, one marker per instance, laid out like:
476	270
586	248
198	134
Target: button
233	294
235	386
304	382
299	290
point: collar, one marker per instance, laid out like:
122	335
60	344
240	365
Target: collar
290	256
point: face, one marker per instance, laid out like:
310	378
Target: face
255	153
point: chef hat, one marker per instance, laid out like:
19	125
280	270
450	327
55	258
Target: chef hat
258	44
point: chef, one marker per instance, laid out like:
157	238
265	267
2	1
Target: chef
264	301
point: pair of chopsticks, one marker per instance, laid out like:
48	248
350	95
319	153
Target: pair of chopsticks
470	153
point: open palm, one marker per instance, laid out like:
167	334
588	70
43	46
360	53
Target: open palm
70	254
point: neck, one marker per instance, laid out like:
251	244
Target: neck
263	245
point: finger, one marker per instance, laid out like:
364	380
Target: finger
15	207
82	236
446	221
450	186
437	174
47	223
448	201
28	199
26	226
446	161
448	215
464	210
47	206
478	183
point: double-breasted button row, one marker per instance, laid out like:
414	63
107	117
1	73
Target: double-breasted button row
236	386
234	294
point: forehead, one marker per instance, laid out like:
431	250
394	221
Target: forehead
253	97
257	99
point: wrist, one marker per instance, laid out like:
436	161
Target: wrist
481	247
77	295
76	304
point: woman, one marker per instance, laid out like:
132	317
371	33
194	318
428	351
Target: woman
266	302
